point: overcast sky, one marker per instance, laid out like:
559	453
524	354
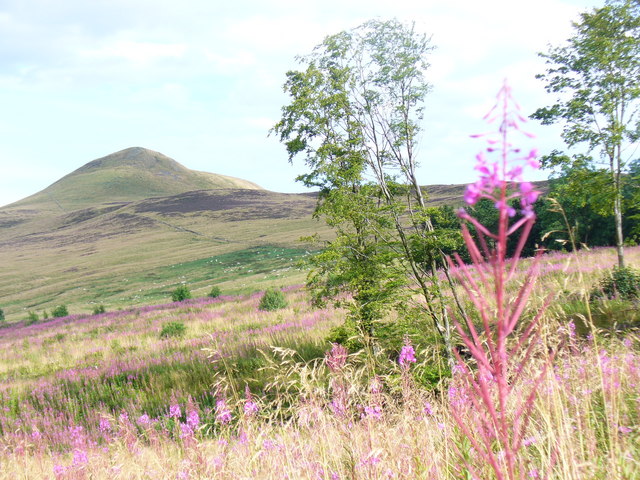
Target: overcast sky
201	80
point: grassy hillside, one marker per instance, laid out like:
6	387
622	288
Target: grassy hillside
125	176
137	253
127	228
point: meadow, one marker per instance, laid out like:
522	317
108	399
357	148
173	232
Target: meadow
251	394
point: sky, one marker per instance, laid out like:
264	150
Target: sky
201	80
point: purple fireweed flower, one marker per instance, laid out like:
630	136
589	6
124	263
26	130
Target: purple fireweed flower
338	407
428	409
144	420
80	458
250	407
375	386
623	429
174	411
478	395
223	413
105	425
337	357
59	470
185	430
373	411
495	176
193	419
407	356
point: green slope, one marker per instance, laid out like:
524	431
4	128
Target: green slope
125	176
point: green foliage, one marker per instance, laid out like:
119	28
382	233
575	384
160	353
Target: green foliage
596	79
622	283
1	315
173	329
215	292
60	311
32	318
181	293
354	116
98	309
575	210
273	299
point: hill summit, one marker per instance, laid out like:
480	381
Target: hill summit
129	175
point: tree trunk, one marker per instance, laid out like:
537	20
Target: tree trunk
617	207
617	213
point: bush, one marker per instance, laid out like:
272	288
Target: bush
60	311
215	292
98	309
273	299
181	293
32	318
621	283
1	315
173	329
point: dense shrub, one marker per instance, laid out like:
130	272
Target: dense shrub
1	315
98	309
60	311
215	292
173	329
32	318
621	283
273	299
181	293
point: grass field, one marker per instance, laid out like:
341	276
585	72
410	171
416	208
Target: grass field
107	396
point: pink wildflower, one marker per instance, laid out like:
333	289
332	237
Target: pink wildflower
174	411
59	470
223	413
373	411
144	420
407	356
105	425
193	419
185	430
337	357
80	458
250	407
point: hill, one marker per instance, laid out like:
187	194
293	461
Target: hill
128	175
126	229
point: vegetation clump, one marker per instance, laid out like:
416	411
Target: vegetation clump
1	315
619	283
98	309
215	292
181	293
60	311
273	299
173	329
32	318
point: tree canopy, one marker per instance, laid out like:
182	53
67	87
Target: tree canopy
355	116
596	79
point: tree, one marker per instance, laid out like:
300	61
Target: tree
596	76
355	117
